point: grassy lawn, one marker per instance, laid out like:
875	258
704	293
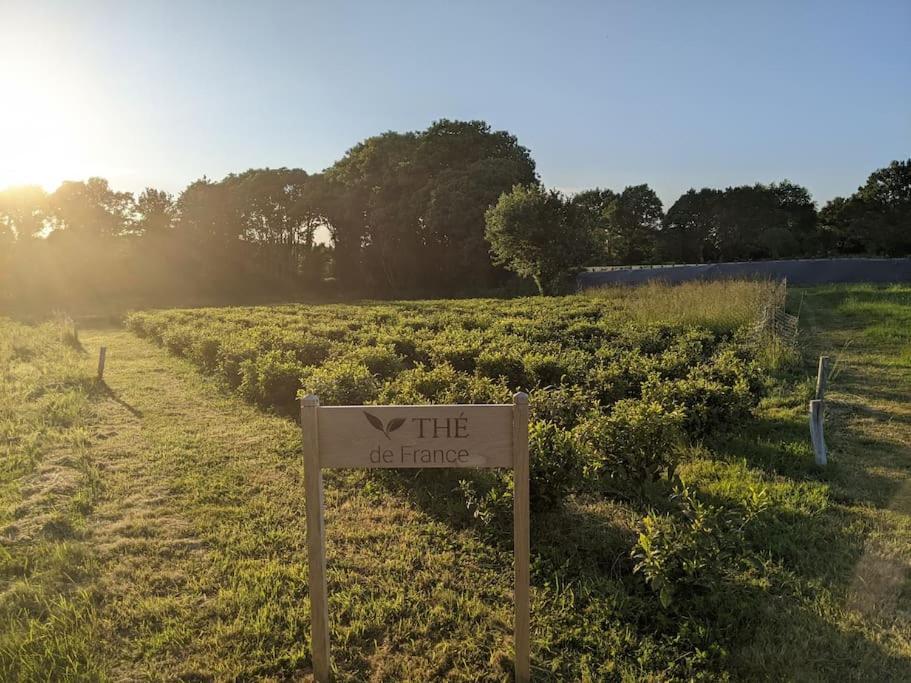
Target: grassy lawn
152	528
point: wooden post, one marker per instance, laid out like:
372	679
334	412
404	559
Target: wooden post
522	541
817	436
102	354
316	543
822	377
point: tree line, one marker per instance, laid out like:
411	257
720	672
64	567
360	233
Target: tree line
455	209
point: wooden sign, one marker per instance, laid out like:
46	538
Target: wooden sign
409	437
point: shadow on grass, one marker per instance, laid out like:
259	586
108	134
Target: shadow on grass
571	540
100	389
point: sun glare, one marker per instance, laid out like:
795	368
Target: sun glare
45	129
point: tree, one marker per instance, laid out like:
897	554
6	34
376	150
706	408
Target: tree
371	217
155	212
23	211
796	215
882	209
592	206
408	214
539	234
765	221
876	218
274	215
632	222
91	209
838	232
689	229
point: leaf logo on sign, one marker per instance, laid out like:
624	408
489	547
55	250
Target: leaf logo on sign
378	425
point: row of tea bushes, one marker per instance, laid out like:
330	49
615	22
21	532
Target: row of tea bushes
612	399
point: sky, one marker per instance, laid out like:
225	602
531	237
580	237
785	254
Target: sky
609	94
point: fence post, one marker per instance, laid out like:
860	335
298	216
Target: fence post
817	435
522	537
316	542
102	354
822	377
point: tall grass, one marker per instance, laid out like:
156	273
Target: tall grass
724	305
752	308
47	611
67	331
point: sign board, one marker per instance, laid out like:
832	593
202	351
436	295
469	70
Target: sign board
409	437
416	436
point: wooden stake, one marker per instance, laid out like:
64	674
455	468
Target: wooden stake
817	436
522	541
822	377
316	543
102	354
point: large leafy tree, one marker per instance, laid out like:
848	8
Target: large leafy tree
371	218
765	221
268	204
689	228
23	212
796	213
632	222
90	209
409	208
541	235
156	211
877	218
592	206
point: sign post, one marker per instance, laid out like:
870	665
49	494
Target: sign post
472	436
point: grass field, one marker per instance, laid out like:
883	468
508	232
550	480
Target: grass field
152	525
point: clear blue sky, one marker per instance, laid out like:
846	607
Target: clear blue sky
676	94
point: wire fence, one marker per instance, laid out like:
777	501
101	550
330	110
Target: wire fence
774	321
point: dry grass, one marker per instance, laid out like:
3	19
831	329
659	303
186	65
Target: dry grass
724	305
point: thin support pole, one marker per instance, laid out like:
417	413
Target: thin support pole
316	542
102	355
817	435
822	377
522	541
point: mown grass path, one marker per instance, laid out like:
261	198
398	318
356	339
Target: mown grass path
200	536
849	615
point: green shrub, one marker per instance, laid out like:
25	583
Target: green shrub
732	366
619	377
271	379
311	350
693	552
381	361
649	339
341	383
545	368
403	345
503	365
137	324
459	352
565	406
689	349
632	445
555	464
442	384
204	352
707	406
555	473
177	340
233	355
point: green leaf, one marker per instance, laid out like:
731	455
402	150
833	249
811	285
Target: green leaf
665	597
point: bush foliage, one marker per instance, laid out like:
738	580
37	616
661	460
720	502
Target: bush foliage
614	392
620	393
